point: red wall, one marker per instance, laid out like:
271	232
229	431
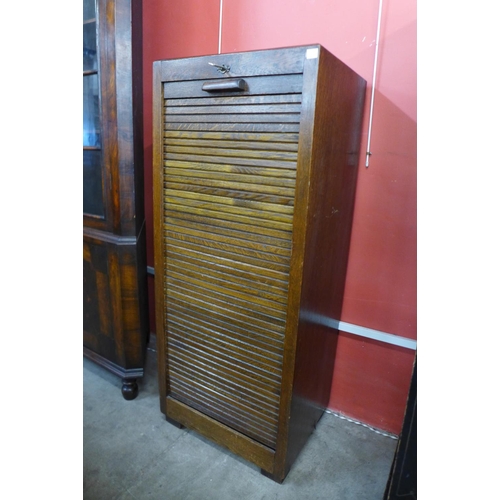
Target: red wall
371	379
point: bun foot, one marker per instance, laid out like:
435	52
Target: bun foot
130	389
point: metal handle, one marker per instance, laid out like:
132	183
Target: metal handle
221	85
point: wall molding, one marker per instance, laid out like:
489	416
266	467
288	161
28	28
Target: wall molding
362	331
388	338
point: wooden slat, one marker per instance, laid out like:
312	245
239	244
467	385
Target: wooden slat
229	160
290	140
215	108
262	202
230	184
212	149
234	127
233	144
240	118
255	171
238	192
235	99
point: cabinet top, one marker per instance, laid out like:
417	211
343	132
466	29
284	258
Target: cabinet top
239	64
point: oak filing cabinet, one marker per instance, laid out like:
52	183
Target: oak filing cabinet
255	166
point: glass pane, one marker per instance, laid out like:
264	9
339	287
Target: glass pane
89	36
91	126
89	46
88	10
92	183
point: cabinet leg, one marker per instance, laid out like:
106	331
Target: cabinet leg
129	388
270	476
173	422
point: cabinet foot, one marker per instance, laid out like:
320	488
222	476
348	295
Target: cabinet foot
173	422
129	388
270	476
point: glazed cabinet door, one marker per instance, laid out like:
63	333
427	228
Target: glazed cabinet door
93	172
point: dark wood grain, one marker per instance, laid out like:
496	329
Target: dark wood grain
116	325
254	192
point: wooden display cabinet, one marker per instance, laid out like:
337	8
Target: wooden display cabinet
255	167
115	317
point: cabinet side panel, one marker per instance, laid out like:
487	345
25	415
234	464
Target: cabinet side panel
137	109
134	305
158	229
335	151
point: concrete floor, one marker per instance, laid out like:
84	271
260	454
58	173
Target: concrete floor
131	452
